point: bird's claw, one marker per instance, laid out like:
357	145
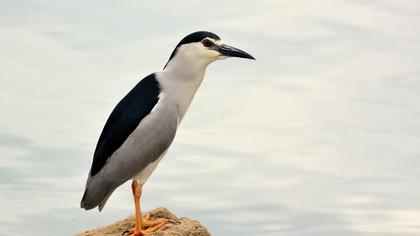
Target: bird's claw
147	227
135	232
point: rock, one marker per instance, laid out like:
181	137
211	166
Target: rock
184	227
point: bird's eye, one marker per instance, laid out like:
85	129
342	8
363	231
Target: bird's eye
207	43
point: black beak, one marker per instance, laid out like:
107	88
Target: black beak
230	51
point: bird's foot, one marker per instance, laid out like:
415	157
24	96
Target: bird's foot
136	232
146	222
147	226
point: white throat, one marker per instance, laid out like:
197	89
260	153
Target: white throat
180	80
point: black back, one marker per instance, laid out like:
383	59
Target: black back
193	38
124	119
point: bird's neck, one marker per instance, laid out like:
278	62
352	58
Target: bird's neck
187	67
180	81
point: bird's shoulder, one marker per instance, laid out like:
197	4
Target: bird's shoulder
124	119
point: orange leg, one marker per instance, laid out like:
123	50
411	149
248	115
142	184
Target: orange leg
140	222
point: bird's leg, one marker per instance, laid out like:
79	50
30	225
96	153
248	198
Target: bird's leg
137	189
136	231
140	222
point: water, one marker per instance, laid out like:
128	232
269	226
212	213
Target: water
319	136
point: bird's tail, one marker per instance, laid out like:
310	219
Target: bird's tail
83	201
97	192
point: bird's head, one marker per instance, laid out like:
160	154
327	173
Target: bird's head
202	48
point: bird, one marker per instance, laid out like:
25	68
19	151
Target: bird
142	126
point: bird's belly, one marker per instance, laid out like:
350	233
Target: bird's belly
139	155
145	173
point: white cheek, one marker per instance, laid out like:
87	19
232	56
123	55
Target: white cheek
197	51
212	53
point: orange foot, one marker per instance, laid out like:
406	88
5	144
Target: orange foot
145	223
149	227
136	232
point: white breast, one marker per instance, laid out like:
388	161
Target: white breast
175	91
180	88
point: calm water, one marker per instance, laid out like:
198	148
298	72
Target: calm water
320	136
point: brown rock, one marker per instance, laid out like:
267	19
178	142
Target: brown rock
184	227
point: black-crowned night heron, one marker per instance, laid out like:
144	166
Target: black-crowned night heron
142	126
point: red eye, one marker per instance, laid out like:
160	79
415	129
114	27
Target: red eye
207	43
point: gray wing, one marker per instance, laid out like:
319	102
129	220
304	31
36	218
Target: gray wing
150	139
124	119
